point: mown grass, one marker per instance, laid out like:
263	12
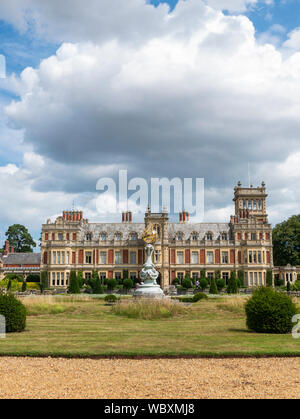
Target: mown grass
88	327
149	310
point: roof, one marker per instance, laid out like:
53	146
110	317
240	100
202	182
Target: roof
127	228
22	259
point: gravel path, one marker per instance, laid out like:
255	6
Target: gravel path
164	378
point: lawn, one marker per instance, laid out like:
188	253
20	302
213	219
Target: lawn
67	326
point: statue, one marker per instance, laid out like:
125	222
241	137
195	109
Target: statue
149	287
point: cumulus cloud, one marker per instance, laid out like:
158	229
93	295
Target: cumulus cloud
187	93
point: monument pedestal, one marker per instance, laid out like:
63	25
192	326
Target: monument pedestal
149	287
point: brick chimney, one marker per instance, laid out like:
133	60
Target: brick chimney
6	248
127	217
184	217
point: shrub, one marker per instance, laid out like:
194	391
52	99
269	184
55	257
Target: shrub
24	286
203	283
80	279
14	277
297	285
97	286
199	296
110	298
221	284
74	285
241	279
269	279
288	286
175	281
218	275
44	281
10	285
213	287
14	312
128	284
269	311
232	287
186	283
111	284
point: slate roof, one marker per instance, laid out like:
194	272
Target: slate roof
111	229
22	259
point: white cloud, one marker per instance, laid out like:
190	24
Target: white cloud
189	93
293	41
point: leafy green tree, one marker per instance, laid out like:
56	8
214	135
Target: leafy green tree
24	286
269	279
213	287
218	275
74	285
128	284
80	279
241	279
232	287
8	289
44	281
111	284
97	286
286	242
221	284
186	283
20	239
203	284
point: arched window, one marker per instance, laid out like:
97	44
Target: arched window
224	236
118	237
157	230
180	236
89	237
194	236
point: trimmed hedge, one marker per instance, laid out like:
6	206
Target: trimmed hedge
110	298
269	311
14	312
199	296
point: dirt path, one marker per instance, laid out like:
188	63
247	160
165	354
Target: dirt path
165	378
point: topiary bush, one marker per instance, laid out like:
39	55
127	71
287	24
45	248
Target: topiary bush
128	284
74	285
111	284
269	311
110	298
186	283
221	284
203	283
14	312
199	296
213	287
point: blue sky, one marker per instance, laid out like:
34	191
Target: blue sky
64	127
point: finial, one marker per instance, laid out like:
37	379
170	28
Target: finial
239	183
263	184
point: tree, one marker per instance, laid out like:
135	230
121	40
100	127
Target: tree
97	286
221	284
213	287
24	286
203	284
74	285
269	279
44	281
128	284
111	284
80	279
232	287
241	279
286	242
288	286
218	275
20	239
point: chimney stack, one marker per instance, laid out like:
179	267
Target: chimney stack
184	217
6	248
127	217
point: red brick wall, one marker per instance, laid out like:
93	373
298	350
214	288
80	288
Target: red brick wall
110	257
125	256
217	256
232	256
173	259
187	256
202	257
80	257
140	257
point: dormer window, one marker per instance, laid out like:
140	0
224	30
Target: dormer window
118	237
103	237
180	237
209	236
194	237
133	237
89	237
224	236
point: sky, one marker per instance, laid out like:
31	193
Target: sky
188	88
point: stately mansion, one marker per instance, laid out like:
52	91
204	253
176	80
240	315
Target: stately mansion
116	250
